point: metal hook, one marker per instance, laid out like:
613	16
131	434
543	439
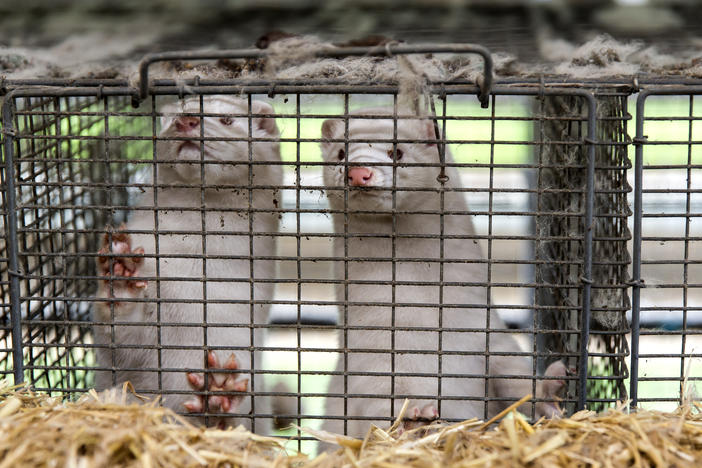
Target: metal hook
440	146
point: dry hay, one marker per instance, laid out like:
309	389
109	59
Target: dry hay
103	430
612	439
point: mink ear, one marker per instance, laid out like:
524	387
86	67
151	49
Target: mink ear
330	128
168	114
165	121
267	124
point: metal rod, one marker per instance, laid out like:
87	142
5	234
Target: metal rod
233	87
624	83
636	279
12	242
591	140
327	52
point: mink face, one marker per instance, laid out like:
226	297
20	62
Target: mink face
382	156
213	143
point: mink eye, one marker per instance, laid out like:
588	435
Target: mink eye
342	155
398	152
226	120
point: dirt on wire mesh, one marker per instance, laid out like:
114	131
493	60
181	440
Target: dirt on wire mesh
105	431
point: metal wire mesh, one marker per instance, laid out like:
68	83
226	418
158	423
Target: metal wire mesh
666	266
58	188
563	181
84	159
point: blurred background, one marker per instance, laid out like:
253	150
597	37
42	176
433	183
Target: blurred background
516	26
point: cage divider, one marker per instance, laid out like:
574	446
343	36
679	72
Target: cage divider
11	235
393	255
298	241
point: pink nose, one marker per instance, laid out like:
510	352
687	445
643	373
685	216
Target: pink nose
360	176
184	124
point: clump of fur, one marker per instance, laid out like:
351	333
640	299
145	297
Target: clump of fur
604	56
90	55
293	57
291	52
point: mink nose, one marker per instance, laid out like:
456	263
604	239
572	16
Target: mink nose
360	176
184	124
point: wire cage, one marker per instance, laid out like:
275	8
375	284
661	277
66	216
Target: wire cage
509	242
666	229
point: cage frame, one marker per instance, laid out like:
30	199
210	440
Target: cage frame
225	89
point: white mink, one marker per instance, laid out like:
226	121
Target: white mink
419	347
197	262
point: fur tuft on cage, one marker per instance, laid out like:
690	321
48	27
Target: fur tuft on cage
560	227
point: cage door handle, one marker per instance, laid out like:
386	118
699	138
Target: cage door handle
485	85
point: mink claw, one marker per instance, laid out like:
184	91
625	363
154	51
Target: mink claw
227	386
193	405
196	381
115	269
419	417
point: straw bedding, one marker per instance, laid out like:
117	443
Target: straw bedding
107	431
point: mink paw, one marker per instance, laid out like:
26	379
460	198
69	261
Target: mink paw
229	389
419	417
553	390
116	270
